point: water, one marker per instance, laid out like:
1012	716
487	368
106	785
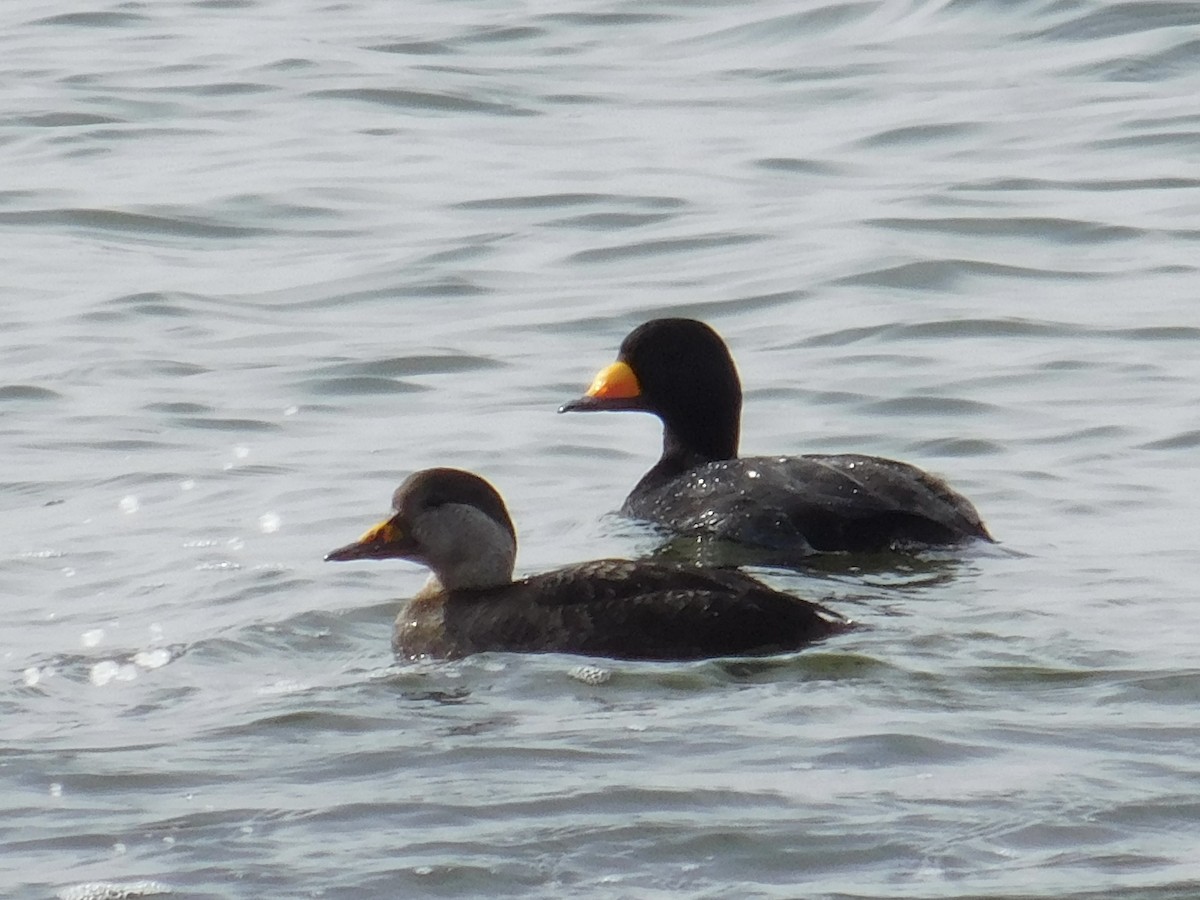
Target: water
260	261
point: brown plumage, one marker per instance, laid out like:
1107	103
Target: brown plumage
455	523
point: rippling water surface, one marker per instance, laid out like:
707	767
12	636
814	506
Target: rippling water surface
260	260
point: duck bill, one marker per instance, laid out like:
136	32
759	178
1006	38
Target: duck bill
615	387
385	541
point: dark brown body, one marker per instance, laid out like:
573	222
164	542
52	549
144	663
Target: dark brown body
615	608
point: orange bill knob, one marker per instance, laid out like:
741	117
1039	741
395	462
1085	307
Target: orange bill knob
614	387
384	541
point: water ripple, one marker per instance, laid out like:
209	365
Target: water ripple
94	20
953	274
19	392
423	100
663	246
180	225
1065	231
1118	19
249	282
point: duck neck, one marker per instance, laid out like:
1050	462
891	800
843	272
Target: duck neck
702	434
489	567
701	446
432	588
701	423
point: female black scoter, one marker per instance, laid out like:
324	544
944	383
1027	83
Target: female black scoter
455	523
681	370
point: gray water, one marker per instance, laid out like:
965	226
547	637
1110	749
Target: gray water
260	260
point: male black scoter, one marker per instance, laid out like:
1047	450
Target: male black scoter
681	371
456	524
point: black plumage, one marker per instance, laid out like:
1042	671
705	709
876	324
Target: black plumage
681	371
455	523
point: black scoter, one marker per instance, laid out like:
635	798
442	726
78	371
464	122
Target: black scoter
681	371
456	524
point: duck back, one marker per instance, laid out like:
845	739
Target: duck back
618	609
812	503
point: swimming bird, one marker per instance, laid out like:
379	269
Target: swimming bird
681	371
456	524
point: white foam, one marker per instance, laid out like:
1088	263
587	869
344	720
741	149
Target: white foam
108	890
152	659
103	672
589	674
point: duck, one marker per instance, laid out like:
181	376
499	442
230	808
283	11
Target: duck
456	524
681	371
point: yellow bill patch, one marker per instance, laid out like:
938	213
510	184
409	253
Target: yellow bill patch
616	382
383	533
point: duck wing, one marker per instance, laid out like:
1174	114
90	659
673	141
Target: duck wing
636	610
812	503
